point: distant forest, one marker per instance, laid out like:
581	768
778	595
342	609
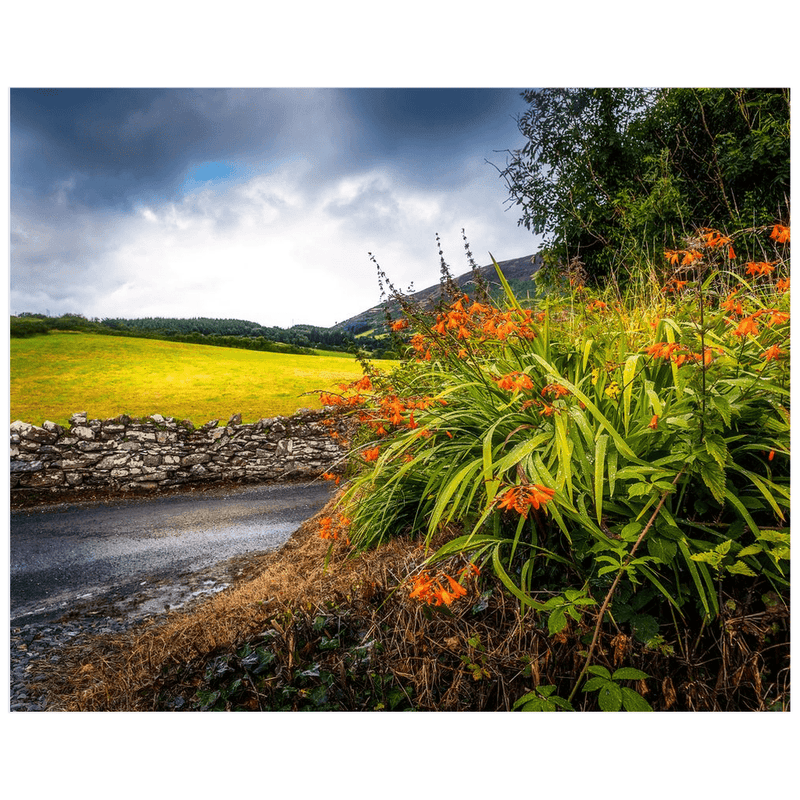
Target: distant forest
299	339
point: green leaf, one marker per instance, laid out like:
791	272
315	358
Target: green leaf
628	372
633	701
597	669
714	478
610	697
599	464
557	621
740	568
629	674
716	448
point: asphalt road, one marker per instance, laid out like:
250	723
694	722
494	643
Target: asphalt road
165	549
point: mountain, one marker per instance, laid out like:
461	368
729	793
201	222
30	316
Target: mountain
519	272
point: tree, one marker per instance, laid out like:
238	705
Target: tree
604	169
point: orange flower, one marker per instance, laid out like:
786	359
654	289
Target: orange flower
598	305
759	268
732	305
690	257
713	238
663	349
515	381
653	422
400	325
372	455
520	498
674	285
780	233
782	285
776	317
329	476
772	353
470	570
554	390
747	325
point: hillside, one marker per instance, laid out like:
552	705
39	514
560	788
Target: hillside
518	272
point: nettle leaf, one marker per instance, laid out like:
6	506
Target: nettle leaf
740	568
723	406
750	550
716	448
714	478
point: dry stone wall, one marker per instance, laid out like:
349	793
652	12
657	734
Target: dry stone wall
159	452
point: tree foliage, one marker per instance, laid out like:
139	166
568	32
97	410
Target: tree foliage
607	169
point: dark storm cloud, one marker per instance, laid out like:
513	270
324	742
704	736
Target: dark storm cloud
116	145
113	146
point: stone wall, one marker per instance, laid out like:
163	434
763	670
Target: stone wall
125	454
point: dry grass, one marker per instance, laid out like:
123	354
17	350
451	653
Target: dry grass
482	659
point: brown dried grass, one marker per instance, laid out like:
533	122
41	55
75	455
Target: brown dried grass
445	662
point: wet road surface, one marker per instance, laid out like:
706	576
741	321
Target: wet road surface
173	546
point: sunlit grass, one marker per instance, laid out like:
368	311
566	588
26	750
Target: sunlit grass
56	375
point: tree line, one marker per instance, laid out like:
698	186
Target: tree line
243	334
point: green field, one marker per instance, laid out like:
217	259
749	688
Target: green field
56	375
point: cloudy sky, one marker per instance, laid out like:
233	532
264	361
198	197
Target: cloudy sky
258	204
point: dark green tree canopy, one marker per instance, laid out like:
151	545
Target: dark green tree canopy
606	169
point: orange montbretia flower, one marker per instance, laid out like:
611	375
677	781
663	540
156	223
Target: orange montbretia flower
597	305
400	325
782	285
780	233
759	268
521	498
330	530
432	589
554	390
772	353
674	285
776	317
713	238
663	349
732	305
747	326
653	422
514	381
372	455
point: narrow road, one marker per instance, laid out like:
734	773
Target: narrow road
159	552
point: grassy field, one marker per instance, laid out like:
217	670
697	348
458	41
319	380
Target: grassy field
56	375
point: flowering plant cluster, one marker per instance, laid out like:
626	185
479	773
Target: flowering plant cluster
577	439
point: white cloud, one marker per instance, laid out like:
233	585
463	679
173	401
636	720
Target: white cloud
276	249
